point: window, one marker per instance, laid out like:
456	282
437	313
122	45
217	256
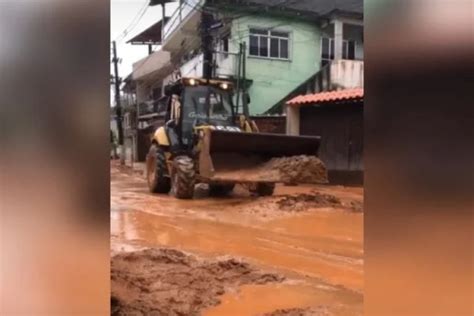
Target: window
269	44
224	45
327	50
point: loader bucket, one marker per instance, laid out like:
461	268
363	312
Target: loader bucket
247	157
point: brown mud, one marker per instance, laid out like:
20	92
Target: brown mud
170	282
317	248
299	169
312	311
308	201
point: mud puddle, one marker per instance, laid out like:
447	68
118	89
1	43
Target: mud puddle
170	282
319	244
286	299
316	245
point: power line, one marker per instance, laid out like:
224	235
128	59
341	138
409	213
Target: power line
133	23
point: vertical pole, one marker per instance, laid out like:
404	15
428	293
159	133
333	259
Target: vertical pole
163	16
338	36
244	81
206	45
118	106
238	79
150	49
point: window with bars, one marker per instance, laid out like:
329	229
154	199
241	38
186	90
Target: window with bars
269	44
327	50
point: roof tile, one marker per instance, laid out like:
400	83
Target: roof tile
348	94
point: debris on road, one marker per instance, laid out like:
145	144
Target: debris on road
302	202
288	204
313	311
170	282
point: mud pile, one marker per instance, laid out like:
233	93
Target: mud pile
302	202
299	169
313	311
356	206
170	282
291	170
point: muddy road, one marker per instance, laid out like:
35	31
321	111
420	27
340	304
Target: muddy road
299	252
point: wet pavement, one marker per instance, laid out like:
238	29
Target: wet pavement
318	250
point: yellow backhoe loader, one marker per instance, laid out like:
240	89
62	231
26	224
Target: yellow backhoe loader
205	141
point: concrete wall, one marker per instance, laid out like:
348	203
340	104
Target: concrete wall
273	79
346	74
226	67
270	124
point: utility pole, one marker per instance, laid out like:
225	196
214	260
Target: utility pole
245	100
206	44
118	107
237	102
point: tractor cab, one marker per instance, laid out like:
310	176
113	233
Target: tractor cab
199	103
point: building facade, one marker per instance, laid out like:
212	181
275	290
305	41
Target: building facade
306	47
286	45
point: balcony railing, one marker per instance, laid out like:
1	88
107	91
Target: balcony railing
339	74
180	14
347	74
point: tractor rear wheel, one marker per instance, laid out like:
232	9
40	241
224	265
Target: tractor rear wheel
183	177
265	189
156	171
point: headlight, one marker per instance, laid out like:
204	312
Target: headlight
224	86
192	82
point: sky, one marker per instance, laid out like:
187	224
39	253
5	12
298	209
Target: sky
122	14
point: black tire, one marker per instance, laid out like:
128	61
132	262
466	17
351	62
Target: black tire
156	171
265	189
183	177
220	189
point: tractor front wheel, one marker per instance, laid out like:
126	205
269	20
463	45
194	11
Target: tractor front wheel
183	177
156	171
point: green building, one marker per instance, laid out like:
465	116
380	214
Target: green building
292	47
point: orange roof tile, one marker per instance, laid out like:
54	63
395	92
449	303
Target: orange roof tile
348	94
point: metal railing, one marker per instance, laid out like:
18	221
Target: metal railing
180	14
